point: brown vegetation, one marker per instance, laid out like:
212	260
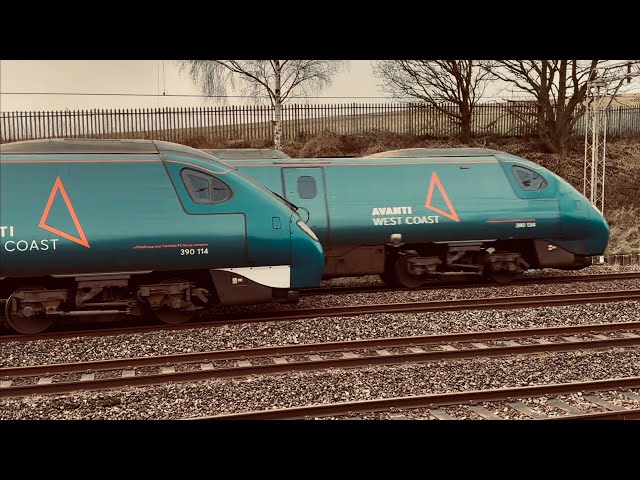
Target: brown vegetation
624	223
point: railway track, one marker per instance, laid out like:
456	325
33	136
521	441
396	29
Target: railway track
117	373
603	277
495	303
468	400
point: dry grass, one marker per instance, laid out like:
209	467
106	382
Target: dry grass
625	230
205	142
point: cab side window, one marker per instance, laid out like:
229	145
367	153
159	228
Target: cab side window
204	188
306	187
528	179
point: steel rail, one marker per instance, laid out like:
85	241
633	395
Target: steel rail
310	348
528	301
429	401
317	364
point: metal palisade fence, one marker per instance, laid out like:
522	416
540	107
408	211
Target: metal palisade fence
185	125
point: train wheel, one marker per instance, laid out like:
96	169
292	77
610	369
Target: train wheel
171	316
503	276
402	275
174	317
388	278
26	321
389	274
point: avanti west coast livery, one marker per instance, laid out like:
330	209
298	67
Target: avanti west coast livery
418	214
104	228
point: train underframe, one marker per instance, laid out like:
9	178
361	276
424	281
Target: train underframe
32	305
416	265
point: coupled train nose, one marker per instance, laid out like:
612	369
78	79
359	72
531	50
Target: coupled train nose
307	256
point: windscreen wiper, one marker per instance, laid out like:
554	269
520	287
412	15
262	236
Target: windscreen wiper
293	206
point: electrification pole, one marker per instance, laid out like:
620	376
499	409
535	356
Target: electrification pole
601	92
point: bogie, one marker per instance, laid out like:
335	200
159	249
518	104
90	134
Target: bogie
415	267
33	309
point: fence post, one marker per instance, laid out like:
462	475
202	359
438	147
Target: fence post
411	110
619	120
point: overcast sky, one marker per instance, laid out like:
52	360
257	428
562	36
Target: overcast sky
149	78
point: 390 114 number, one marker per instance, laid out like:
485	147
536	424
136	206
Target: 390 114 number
194	251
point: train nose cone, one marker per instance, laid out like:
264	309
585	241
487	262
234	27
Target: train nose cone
600	233
307	257
583	225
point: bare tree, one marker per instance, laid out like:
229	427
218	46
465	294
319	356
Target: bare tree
279	80
437	82
559	88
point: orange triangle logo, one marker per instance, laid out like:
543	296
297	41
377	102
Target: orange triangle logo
58	186
435	182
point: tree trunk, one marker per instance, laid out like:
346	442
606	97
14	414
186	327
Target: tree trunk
562	141
543	134
277	106
277	126
465	124
550	143
556	134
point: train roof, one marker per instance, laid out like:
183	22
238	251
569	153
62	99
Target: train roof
73	145
253	156
98	146
435	152
94	146
393	157
245	153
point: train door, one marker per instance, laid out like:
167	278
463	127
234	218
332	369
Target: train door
305	187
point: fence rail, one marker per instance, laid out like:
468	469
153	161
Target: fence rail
183	125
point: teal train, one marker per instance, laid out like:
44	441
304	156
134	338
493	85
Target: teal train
418	214
107	228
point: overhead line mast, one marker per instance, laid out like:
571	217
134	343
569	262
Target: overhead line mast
601	91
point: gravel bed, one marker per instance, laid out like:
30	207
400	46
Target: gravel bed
374	280
343	300
461	413
327	356
260	361
140	371
527	341
100	375
220	396
24	381
540	405
618	398
432	347
503	409
188	367
313	330
224	363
